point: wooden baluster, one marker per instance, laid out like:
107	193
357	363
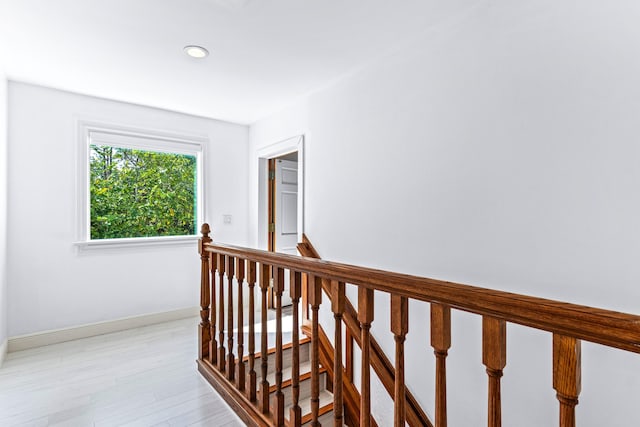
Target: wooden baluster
306	317
265	276
441	342
221	351
494	357
295	413
204	329
251	388
567	376
278	289
315	299
231	361
240	376
337	307
365	317
399	327
213	345
349	354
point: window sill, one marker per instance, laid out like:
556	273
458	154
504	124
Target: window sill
137	242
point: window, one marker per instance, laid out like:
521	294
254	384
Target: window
139	187
139	193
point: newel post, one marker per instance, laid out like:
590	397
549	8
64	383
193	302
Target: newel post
204	331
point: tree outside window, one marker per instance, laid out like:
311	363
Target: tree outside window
140	193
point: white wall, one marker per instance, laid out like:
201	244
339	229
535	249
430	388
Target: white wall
500	151
287	124
54	285
3	217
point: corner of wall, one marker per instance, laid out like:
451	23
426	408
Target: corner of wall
4	345
3	216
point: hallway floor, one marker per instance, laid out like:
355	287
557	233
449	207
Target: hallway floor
139	377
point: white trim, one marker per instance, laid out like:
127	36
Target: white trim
89	131
281	148
143	143
138	241
278	149
97	125
40	339
3	351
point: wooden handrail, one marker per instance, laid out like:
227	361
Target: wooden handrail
606	327
257	404
379	361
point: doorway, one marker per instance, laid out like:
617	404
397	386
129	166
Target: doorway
280	201
283	204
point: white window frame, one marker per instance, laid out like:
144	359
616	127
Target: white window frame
96	133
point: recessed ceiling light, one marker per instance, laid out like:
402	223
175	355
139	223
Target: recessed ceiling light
196	51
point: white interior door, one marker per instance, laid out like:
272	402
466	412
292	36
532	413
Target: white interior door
286	229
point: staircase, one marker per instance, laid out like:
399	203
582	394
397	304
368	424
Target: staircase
305	381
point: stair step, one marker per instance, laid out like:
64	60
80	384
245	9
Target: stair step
326	397
287	357
305	372
326	406
272	350
305	389
326	419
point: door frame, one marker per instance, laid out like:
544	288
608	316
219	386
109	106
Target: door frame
264	154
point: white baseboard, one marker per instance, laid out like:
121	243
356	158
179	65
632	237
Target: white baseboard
40	339
3	351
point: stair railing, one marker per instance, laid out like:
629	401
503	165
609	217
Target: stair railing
380	363
569	324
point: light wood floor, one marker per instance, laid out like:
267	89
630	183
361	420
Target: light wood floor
140	377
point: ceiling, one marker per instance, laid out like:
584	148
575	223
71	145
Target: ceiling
265	54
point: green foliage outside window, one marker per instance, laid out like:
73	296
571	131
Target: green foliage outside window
139	193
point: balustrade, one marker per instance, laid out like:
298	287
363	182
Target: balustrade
239	270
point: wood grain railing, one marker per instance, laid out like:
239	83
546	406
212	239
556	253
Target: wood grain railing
380	363
568	323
